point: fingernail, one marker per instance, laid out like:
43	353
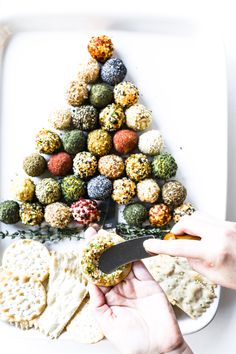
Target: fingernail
149	244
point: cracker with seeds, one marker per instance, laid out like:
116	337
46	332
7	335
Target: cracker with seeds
84	327
66	291
27	258
184	287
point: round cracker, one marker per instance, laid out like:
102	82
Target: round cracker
21	299
27	258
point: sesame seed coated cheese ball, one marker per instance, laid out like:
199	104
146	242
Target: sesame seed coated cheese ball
85	211
113	71
135	214
47	141
125	141
34	165
88	71
58	215
159	215
24	189
148	190
48	191
101	95
138	117
111	166
126	94
31	214
60	164
173	193
60	119
100	48
137	167
85	164
9	212
74	141
151	142
99	142
112	117
84	117
124	190
76	93
164	166
72	188
182	210
99	188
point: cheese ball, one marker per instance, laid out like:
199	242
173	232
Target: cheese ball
88	71
48	191
76	93
112	117
85	164
60	164
135	214
60	119
123	190
74	141
182	210
151	142
137	167
125	141
24	189
148	190
99	142
111	166
164	166
85	211
72	188
113	71
84	117
9	212
34	165
159	215
101	95
47	141
58	215
90	256
138	117
99	188
100	48
173	193
126	94
31	214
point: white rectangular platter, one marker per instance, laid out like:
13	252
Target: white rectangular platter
179	68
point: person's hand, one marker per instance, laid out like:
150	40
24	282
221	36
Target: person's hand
214	256
136	316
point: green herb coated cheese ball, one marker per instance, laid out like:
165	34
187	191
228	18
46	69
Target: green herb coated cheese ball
125	141
76	93
48	191
34	165
100	48
159	215
135	214
164	166
60	119
24	189
47	141
148	190
74	141
9	212
99	142
173	193
88	71
85	164
138	117
101	95
112	117
123	190
126	94
72	188
111	166
58	215
85	117
31	214
182	210
151	142
137	167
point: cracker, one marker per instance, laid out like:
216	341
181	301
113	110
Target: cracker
27	258
21	299
66	291
84	327
184	287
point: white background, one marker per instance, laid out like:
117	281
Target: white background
219	336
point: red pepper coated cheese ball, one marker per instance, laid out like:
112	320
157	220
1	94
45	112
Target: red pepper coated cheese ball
159	215
100	48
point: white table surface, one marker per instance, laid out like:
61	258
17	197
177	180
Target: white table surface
219	336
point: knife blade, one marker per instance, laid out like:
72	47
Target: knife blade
110	215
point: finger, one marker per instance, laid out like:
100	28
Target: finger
98	302
141	272
194	225
182	248
91	231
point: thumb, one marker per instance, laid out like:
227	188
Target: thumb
181	248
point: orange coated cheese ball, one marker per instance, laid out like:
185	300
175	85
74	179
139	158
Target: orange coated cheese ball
100	48
159	215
